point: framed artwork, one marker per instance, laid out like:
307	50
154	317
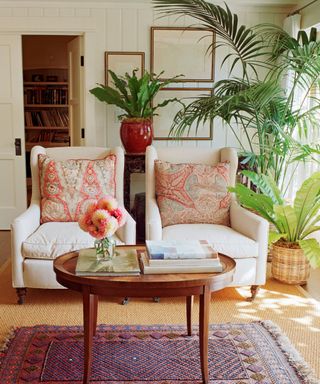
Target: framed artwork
186	51
122	62
162	123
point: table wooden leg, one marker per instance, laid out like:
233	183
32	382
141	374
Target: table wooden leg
90	303
204	307
95	313
189	302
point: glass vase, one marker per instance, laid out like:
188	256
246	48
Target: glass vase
105	248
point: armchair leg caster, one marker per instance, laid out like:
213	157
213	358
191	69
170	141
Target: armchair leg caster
125	301
21	293
156	299
254	290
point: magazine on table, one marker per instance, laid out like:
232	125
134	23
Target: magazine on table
124	263
176	268
210	262
166	250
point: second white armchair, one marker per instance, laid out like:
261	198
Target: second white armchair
244	237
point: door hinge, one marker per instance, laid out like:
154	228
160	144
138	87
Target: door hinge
82	61
82	133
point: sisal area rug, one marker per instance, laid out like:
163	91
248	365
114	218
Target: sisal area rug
255	352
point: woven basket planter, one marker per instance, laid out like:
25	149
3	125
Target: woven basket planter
289	265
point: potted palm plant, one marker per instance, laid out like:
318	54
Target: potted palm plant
293	250
271	102
134	96
267	110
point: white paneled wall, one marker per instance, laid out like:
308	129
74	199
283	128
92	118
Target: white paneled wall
112	26
117	27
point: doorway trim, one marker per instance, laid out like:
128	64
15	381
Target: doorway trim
88	73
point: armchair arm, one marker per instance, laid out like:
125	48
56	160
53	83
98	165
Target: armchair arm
256	228
153	220
248	223
127	233
22	227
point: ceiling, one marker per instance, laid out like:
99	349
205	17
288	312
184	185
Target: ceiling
290	4
235	2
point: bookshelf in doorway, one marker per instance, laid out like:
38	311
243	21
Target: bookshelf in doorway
46	112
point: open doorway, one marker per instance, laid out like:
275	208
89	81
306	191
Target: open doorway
52	92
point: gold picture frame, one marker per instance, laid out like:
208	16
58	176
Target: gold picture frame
163	121
186	51
121	62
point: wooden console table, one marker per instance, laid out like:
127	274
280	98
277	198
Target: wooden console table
134	163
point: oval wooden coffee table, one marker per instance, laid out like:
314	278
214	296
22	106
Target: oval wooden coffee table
166	285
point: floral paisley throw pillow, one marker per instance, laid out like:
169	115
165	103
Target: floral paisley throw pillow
68	186
192	193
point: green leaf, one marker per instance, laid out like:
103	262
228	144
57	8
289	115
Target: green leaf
235	26
110	96
119	83
257	202
266	185
304	37
314	215
286	217
311	249
275	236
134	87
166	102
305	199
309	230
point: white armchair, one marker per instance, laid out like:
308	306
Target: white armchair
52	239
246	240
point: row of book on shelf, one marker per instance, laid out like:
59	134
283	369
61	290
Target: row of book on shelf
159	257
46	118
50	136
43	95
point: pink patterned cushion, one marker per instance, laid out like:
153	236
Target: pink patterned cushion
192	193
67	187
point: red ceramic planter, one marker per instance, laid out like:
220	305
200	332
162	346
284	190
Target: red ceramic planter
136	135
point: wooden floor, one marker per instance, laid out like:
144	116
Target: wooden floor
5	247
313	286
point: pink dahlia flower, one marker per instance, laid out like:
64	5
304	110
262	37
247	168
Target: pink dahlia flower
96	232
120	214
107	202
100	217
91	207
85	221
111	226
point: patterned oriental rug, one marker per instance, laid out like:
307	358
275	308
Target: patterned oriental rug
254	352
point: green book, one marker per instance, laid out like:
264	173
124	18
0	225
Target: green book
124	263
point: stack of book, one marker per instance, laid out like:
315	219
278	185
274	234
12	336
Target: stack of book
187	256
124	263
